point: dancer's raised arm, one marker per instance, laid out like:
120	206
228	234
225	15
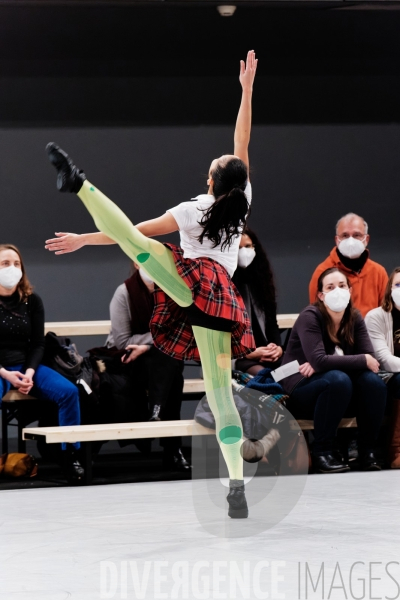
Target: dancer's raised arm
243	122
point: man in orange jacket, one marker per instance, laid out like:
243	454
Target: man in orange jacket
368	278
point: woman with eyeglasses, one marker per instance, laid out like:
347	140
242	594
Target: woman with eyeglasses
331	343
383	326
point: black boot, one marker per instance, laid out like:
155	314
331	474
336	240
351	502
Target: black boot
73	469
368	461
156	413
173	460
69	178
327	462
237	500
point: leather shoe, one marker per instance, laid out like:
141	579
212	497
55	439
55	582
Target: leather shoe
368	462
328	463
175	461
156	413
69	177
237	500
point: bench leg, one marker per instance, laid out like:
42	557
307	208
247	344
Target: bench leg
87	462
4	428
21	442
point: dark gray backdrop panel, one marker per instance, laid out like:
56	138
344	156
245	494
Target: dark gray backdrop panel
304	178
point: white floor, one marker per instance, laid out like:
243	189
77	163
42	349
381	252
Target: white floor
148	541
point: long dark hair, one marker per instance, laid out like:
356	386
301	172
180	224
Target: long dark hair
258	276
228	213
346	328
387	302
24	286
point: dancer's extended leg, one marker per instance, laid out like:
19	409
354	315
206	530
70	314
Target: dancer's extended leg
153	256
215	353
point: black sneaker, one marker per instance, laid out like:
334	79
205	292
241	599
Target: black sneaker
175	461
73	469
69	177
156	413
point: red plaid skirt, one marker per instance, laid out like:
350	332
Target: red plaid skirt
215	294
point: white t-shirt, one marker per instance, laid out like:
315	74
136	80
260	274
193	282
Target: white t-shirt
188	216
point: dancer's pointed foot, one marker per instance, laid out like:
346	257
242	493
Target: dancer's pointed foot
69	177
237	500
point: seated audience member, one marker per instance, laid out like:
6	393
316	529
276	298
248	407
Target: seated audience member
255	282
367	278
130	310
383	326
22	348
332	345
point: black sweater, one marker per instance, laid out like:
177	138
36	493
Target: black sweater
21	331
310	342
271	333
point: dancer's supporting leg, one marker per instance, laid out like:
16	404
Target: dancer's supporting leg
153	256
215	353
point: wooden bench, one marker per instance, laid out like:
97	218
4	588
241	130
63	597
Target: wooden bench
86	434
14	404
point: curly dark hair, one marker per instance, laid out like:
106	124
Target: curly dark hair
258	276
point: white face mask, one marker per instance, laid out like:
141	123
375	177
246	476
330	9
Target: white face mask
10	276
396	296
246	257
351	247
145	278
337	299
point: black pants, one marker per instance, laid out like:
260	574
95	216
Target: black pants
165	387
327	397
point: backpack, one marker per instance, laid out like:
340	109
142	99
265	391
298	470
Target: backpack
61	355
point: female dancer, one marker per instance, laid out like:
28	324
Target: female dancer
197	304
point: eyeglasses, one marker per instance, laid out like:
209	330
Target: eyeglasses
357	236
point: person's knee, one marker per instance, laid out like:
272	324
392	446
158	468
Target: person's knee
371	381
70	392
339	381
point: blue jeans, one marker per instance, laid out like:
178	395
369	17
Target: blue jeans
325	397
50	385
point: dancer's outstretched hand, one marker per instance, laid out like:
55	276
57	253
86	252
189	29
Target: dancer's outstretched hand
65	242
248	70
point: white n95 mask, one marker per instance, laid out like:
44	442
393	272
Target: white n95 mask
351	247
10	276
246	257
396	296
337	299
145	278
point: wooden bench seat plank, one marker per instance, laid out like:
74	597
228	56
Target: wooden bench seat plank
13	396
117	431
127	431
69	328
193	386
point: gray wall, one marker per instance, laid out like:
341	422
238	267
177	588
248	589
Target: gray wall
304	178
